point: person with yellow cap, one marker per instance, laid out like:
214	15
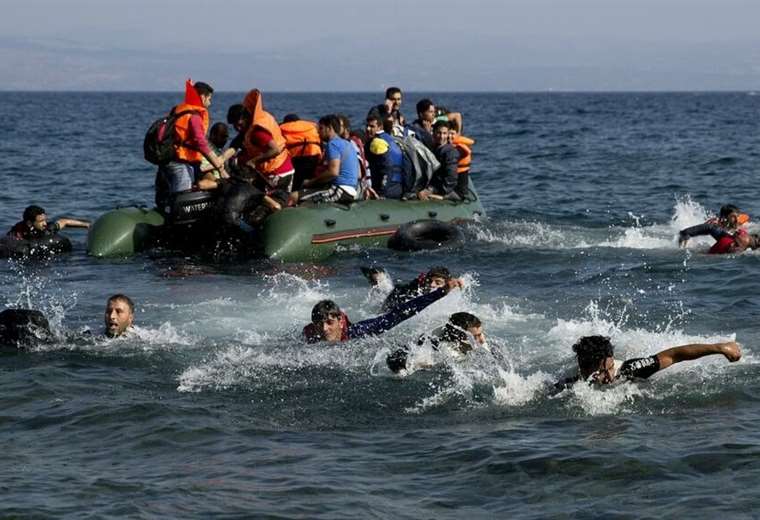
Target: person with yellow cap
385	158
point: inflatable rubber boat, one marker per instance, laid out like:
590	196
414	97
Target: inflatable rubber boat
309	232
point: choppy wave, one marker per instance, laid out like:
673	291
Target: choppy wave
538	235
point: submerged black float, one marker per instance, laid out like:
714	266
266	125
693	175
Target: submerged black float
21	328
425	234
45	246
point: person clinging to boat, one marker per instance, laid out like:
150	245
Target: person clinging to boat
34	225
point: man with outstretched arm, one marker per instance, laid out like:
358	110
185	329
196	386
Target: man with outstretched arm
597	365
329	323
35	224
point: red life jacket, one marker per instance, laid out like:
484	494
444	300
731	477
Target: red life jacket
726	244
722	246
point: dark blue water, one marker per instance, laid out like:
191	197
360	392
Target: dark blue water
216	408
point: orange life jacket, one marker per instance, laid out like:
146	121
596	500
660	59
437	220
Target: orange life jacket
463	144
302	138
265	120
182	125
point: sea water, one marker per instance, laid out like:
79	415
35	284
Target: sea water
215	407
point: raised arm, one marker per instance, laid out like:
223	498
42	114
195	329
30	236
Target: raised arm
72	222
730	349
642	368
708	228
400	313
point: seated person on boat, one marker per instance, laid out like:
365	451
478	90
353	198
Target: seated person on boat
443	185
338	181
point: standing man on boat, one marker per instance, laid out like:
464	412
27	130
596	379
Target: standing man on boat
190	133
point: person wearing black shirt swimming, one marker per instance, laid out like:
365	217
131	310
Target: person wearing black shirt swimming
597	365
35	225
461	334
435	278
329	323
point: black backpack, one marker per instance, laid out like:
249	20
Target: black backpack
159	144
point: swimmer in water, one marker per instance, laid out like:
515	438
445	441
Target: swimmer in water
329	323
119	315
35	225
435	278
461	334
597	366
727	231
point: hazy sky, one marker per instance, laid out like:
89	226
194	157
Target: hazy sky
333	45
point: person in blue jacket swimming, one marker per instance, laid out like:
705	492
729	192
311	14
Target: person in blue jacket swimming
329	323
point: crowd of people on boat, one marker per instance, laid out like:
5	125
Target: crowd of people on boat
268	165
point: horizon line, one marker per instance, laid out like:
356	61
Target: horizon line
381	91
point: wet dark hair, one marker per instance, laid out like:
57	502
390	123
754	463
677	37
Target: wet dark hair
323	310
237	112
203	89
289	118
727	209
453	125
124	298
423	105
441	124
31	213
331	121
438	272
455	329
755	241
464	320
390	91
591	350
